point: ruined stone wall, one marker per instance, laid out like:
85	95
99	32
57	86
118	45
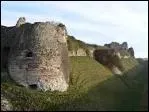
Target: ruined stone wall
131	51
109	58
7	40
21	21
39	56
79	52
122	48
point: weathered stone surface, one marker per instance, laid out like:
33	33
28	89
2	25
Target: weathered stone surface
122	48
91	51
117	46
5	104
126	57
116	70
131	51
72	53
109	58
39	56
119	55
113	45
124	45
79	52
21	21
7	40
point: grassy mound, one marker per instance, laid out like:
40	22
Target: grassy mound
92	87
85	73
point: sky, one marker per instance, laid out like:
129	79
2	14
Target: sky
97	22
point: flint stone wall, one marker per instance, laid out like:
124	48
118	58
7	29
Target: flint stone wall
109	58
39	56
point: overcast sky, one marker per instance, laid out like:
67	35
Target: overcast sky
93	22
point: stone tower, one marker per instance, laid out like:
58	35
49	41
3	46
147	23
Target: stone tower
39	56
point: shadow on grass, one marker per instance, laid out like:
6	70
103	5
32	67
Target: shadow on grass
118	93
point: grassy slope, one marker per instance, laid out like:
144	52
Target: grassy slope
92	87
85	74
88	72
129	63
113	93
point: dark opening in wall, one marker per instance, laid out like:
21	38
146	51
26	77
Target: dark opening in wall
33	86
29	54
61	25
5	66
6	48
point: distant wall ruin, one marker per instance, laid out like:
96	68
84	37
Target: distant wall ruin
109	58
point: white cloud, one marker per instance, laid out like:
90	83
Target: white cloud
112	21
112	12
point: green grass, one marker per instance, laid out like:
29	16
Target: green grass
88	72
92	87
85	73
128	63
